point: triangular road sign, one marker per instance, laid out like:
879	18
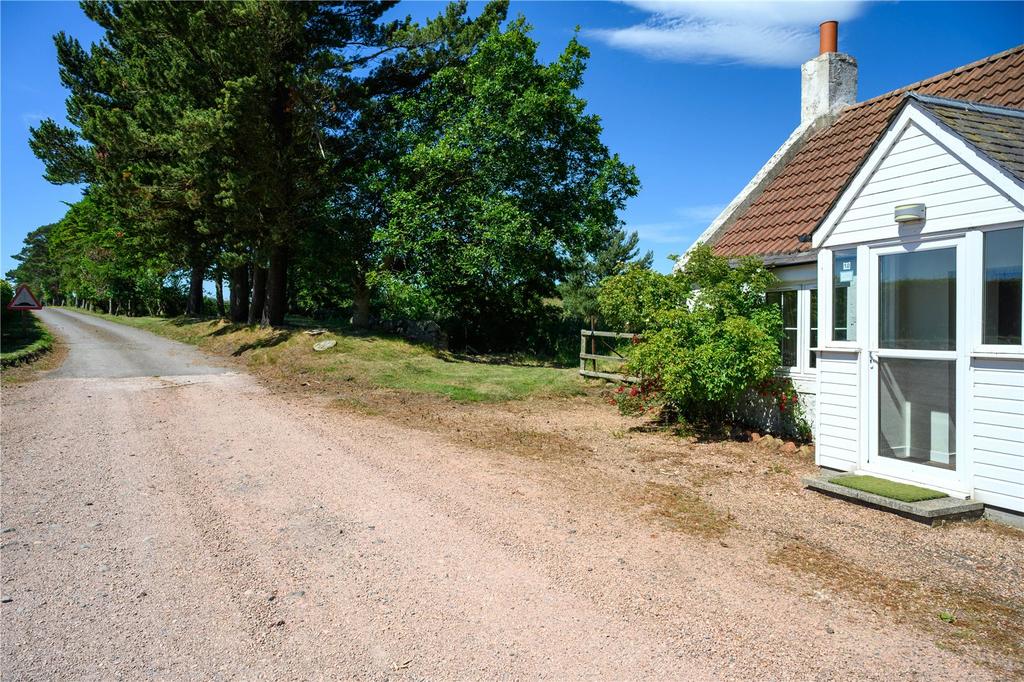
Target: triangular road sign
24	300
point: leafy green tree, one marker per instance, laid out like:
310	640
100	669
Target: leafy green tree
7	317
35	265
708	335
129	117
363	156
503	179
89	258
438	169
206	123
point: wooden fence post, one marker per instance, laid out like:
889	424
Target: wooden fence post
583	350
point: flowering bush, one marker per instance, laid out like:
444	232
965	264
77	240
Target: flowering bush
637	399
708	337
779	391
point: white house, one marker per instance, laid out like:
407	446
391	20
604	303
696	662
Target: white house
898	222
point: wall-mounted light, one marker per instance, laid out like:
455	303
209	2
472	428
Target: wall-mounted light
909	213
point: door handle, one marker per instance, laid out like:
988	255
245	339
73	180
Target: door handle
872	358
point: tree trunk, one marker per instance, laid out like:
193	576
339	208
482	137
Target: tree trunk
277	288
239	281
360	302
194	305
218	283
259	294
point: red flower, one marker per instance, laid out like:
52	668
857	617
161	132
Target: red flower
633	392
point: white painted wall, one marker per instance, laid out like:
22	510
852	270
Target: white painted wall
837	435
802	273
919	169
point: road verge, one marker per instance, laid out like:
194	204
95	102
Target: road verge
24	341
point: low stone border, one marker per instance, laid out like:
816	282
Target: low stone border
926	511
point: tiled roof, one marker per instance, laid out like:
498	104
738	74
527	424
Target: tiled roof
799	197
996	132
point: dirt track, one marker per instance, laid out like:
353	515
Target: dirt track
194	525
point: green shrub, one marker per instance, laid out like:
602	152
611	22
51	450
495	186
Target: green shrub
6	294
632	301
708	337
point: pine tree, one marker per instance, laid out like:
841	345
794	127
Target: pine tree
617	252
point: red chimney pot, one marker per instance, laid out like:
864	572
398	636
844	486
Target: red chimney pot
828	37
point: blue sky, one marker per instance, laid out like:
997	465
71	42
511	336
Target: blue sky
696	95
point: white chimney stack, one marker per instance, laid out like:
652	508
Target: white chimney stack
829	81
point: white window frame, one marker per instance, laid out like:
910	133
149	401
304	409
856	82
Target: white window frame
826	263
975	246
803	330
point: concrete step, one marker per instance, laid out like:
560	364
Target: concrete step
926	511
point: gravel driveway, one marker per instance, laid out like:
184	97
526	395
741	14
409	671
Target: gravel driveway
167	517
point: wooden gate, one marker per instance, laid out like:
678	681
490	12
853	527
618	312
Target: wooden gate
593	357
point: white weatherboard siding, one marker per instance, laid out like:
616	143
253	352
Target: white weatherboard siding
919	161
997	431
919	169
838	420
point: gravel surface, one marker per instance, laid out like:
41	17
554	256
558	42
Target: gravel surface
167	516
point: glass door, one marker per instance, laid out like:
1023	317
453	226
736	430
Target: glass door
915	389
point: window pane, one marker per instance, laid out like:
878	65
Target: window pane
917	300
1004	251
787	302
789	348
917	411
789	309
814	327
844	295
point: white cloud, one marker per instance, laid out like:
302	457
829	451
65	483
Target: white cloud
701	213
760	33
658	233
680	232
31	118
765	12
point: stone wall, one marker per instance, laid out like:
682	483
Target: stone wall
429	332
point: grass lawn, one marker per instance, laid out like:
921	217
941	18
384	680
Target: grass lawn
368	360
894	491
23	340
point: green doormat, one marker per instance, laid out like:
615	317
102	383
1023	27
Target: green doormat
895	491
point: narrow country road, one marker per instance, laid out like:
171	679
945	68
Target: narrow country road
168	517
